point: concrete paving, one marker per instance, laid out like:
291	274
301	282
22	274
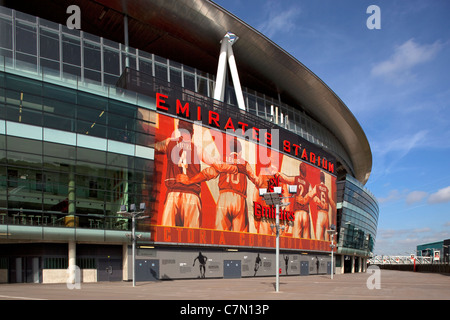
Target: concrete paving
380	285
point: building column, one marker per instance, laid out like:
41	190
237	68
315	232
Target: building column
125	268
341	268
71	192
72	262
125	39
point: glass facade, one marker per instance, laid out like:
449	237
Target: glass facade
69	157
428	249
357	218
48	48
72	143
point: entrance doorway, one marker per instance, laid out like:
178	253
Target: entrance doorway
147	270
232	269
24	270
304	268
347	264
356	264
109	270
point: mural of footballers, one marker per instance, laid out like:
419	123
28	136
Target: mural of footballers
323	200
207	182
301	202
231	209
182	204
262	225
232	212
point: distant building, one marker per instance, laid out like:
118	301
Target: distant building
438	251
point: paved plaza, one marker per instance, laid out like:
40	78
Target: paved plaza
386	285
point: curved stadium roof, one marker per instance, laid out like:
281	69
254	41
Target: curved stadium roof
189	31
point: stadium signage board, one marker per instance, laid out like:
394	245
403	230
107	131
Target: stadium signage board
240	124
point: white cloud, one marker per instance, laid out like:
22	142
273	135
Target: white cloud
392	196
441	196
405	241
415	196
279	21
390	151
421	230
405	57
403	145
412	197
395	242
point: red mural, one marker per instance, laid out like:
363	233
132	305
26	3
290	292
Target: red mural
206	184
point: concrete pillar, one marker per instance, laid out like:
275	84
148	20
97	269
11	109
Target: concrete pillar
126	271
72	261
340	270
71	191
125	36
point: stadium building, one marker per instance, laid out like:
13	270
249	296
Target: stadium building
178	113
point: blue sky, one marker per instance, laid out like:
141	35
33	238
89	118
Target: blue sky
396	81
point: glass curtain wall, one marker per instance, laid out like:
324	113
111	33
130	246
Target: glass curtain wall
51	48
54	170
357	217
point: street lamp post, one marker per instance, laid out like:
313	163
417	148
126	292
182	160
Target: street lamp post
135	215
274	198
332	232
